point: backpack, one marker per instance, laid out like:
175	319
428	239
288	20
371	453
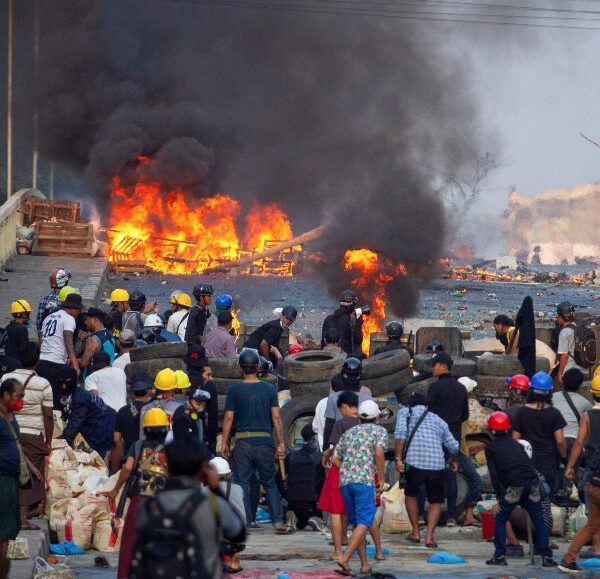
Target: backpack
168	544
585	346
3	338
107	343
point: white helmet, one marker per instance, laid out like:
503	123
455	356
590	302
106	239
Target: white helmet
526	446
153	321
221	466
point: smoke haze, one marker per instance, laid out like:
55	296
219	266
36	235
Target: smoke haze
335	117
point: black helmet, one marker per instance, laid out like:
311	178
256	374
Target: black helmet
137	300
352	368
289	312
348	297
435	346
394	329
249	361
566	310
148	335
202	289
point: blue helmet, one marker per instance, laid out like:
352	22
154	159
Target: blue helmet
224	301
542	381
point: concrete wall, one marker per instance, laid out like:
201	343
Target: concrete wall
9	220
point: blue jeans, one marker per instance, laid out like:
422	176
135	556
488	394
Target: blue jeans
473	480
529	499
260	458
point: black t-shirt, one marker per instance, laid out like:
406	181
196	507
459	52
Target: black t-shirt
196	322
8	364
128	424
17	338
538	428
270	332
340	427
185	425
509	465
448	399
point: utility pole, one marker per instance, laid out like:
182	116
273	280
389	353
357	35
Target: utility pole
9	99
36	33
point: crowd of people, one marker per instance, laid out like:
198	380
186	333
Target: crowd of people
196	496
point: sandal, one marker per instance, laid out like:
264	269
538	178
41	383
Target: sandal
344	570
433	545
413	540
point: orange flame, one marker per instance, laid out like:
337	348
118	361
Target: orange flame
264	223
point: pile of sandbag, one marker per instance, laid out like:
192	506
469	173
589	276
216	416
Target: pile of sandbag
74	506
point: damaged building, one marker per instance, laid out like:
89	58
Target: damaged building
560	226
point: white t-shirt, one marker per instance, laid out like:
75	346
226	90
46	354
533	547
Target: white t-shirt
122	361
318	423
566	345
111	385
53	340
176	325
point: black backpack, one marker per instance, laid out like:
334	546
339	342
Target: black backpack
585	346
168	545
3	337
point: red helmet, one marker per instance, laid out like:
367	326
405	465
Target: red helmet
518	382
295	348
498	421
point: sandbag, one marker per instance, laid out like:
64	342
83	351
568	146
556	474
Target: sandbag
63	508
395	518
77	530
18	549
478	417
108	531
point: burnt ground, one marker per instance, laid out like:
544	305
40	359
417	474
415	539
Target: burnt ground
256	296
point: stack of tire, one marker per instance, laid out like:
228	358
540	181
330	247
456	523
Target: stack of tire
493	369
155	357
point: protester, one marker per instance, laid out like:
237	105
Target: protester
17	336
394	331
199	314
318	423
119	301
144	471
100	339
447	398
518	386
421	437
361	451
107	382
183	387
165	383
126	343
11	401
252	412
177	321
265	339
185	505
571	404
127	423
57	346
58	279
565	354
506	334
347	323
134	318
175	294
331	339
219	343
36	426
588	437
515	483
188	419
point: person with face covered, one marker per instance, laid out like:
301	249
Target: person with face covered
188	420
347	324
265	339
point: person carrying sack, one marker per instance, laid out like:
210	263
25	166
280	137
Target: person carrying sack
421	437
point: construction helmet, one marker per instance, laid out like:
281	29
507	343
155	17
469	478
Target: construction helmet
184	300
498	421
220	465
59	278
542	382
348	298
155	418
137	301
166	379
174	296
64	292
119	295
295	348
595	385
20	307
566	310
202	289
518	382
183	381
394	329
249	360
223	301
352	368
153	321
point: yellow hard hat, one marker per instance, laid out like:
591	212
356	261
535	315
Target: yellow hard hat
64	292
183	381
184	300
166	379
155	418
119	295
595	385
174	295
20	307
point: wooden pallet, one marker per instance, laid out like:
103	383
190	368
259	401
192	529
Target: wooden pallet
51	238
35	209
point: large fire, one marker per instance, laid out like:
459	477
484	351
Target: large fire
174	233
371	278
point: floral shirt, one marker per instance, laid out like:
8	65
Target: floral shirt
356	450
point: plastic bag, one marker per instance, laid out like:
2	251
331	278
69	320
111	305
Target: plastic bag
43	570
577	520
395	518
18	549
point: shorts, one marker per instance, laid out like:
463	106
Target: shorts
331	499
434	481
360	504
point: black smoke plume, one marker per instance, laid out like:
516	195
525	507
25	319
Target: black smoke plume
342	118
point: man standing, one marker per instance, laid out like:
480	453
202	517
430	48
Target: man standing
219	343
266	338
119	301
107	382
58	279
252	411
347	324
566	339
57	345
361	451
100	339
178	320
36	426
165	383
17	336
196	322
421	437
448	399
126	343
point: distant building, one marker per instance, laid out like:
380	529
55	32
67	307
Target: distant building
559	226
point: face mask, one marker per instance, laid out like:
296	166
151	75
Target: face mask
16	405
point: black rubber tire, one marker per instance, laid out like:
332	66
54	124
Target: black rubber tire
461	367
313	366
226	368
321	389
385	363
389	384
154	366
507	365
491	387
300	407
156	351
422	387
223	384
